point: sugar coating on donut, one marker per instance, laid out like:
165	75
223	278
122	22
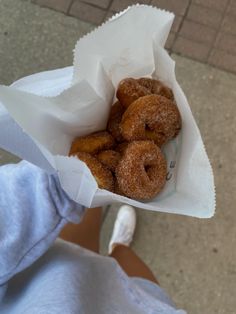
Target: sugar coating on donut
109	158
156	87
141	172
92	143
113	124
158	138
129	90
117	189
102	174
151	117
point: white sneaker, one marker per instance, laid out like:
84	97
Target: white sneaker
124	227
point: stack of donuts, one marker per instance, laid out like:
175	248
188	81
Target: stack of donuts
126	158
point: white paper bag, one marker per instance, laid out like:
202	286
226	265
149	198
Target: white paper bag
43	113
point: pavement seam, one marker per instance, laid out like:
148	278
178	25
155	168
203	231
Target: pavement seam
108	10
180	25
93	5
69	7
218	31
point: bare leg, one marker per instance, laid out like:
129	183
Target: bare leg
86	233
131	263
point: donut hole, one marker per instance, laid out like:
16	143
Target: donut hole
147	128
152	132
148	170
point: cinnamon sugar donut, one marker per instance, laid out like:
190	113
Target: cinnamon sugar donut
113	125
151	117
129	90
156	87
102	175
141	172
109	158
92	143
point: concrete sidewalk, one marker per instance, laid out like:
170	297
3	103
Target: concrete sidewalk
204	30
195	260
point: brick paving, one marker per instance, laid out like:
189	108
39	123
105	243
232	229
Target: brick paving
204	30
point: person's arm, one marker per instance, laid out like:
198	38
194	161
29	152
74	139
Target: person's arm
33	210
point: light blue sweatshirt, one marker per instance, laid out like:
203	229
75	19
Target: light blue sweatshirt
39	275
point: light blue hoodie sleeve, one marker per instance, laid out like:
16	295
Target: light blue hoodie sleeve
33	210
